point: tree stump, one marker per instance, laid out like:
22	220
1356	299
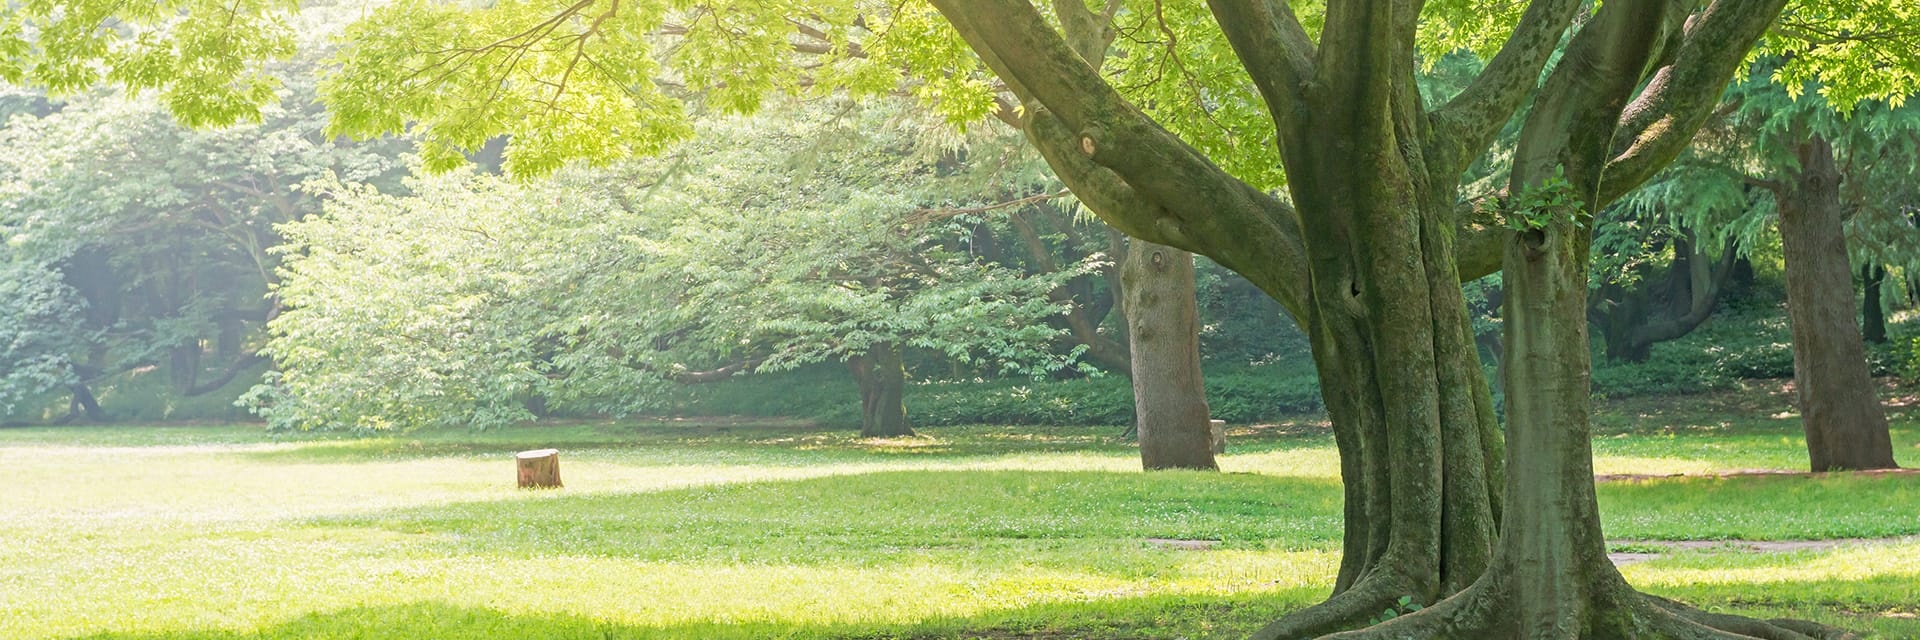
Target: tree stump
539	469
1219	436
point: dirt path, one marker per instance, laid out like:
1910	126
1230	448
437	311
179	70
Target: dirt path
1743	473
1735	546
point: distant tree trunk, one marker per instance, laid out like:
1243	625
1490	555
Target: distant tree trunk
883	386
1081	321
1845	424
83	403
1872	312
234	369
184	366
1163	325
1743	276
1632	321
232	332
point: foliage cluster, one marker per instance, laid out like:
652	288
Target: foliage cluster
790	238
134	245
1239	395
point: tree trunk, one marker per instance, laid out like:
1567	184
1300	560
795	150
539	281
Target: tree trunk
1420	450
184	366
1846	426
1081	323
1873	313
883	386
1633	320
538	469
1163	325
82	404
232	332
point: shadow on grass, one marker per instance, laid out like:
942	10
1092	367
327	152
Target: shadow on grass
1136	618
784	445
1762	507
1143	618
894	515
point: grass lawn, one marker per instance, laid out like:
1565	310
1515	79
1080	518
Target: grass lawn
676	530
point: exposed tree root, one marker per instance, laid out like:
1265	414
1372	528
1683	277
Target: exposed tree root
1344	610
1777	628
1624	614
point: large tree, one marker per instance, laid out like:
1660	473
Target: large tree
1369	263
1833	178
1824	168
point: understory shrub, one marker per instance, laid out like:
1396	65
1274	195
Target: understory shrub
826	394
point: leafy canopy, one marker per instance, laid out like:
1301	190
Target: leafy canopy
789	238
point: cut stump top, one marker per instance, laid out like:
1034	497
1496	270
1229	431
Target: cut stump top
537	453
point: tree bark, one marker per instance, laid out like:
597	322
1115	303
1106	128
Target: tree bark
1845	425
883	386
184	366
1873	312
1163	326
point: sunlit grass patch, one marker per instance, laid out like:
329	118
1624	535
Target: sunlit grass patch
739	530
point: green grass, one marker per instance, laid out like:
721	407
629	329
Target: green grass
679	530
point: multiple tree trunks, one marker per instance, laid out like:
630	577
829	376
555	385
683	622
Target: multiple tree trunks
1163	327
883	388
1368	264
538	469
1846	426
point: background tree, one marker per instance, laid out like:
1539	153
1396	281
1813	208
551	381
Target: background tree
774	242
1822	164
160	234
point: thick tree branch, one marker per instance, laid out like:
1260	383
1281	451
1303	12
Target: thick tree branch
1661	122
1478	248
928	216
234	369
1472	118
1134	174
1274	49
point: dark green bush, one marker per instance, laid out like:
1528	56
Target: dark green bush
827	395
1739	343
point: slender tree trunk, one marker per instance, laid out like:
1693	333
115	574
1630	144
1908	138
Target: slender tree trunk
1846	426
883	385
1163	325
1873	313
